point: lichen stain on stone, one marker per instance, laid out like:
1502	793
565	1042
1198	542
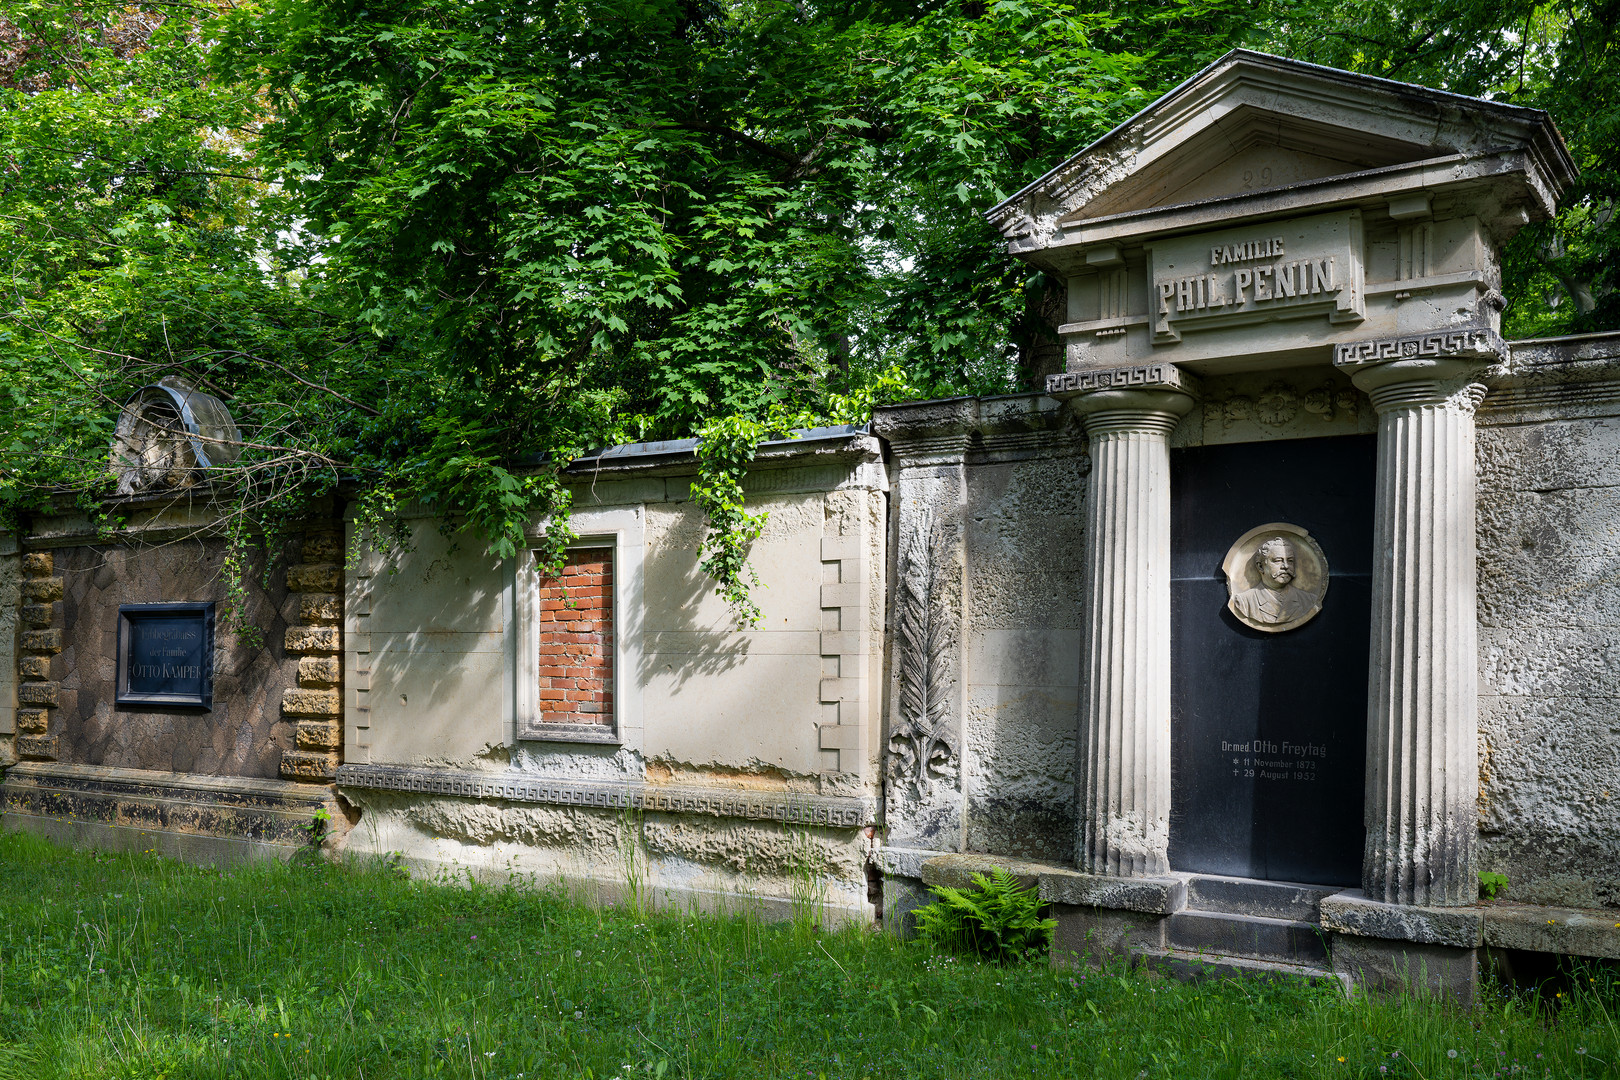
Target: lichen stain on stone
752	848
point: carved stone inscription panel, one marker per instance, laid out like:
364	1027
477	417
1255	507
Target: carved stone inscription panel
1282	270
1268	728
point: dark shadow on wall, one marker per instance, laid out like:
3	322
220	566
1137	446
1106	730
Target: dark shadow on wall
680	648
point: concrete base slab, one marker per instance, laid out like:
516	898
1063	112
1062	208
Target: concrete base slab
1405	967
199	850
606	892
902	896
1194	967
1092	936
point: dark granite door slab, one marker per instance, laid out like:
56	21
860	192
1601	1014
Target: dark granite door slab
1268	730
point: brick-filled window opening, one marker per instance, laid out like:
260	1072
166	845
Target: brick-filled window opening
576	640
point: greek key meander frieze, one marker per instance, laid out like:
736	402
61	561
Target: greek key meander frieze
792	809
1141	376
1475	341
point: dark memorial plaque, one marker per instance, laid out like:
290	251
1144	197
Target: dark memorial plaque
166	655
1268	730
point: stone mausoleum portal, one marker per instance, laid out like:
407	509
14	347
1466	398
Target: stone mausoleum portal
1283	312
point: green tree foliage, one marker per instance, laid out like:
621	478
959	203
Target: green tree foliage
1564	57
429	250
415	243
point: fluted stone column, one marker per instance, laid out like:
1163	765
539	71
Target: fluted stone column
1124	768
1422	717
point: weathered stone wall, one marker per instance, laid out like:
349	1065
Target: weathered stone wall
245	734
1549	624
984	635
10	598
1025	513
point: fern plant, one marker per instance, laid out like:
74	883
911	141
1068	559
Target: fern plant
1000	920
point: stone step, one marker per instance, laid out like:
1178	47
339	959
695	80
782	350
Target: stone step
1195	967
1249	896
1253	936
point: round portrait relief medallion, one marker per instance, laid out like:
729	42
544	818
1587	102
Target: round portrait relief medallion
1276	577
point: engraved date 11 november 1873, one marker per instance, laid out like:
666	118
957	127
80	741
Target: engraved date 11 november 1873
1261	759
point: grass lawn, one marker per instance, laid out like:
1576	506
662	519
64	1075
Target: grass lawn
134	966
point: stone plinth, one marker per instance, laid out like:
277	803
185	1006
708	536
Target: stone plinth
1422	726
1124	766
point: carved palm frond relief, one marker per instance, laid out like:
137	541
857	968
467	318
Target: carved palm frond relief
922	743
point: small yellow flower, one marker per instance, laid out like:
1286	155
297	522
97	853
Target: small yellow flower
1341	1061
1550	922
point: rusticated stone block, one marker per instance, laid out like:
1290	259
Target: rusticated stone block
42	590
319	671
38	564
323	548
37	747
33	721
42	641
301	701
308	765
302	639
319	577
38	693
39	616
319	735
34	667
321	609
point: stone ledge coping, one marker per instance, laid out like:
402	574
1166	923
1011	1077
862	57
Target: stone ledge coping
1146	895
247	810
1556	930
109	780
1534	928
1056	884
837	442
1350	912
788	807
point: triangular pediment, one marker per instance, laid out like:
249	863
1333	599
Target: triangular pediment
1257	127
1251	149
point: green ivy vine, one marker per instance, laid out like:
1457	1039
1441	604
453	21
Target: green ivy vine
727	446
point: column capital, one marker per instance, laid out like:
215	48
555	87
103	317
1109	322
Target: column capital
1444	367
1145	397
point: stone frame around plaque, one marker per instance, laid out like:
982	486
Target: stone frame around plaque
129	616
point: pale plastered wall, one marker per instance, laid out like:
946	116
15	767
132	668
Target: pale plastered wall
437	657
